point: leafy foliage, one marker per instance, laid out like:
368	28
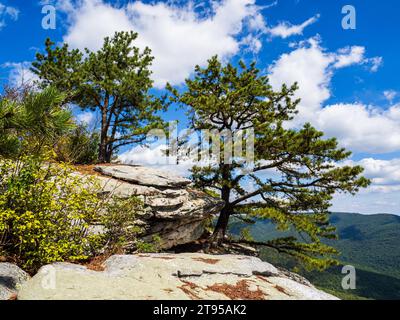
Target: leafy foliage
32	121
119	224
45	212
295	172
48	213
79	146
151	245
114	80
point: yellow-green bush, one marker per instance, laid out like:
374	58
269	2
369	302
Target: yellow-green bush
45	212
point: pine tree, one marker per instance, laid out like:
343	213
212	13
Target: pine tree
115	81
294	175
30	121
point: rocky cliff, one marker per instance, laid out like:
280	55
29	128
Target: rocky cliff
172	277
173	209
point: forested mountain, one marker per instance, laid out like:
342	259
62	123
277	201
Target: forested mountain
369	242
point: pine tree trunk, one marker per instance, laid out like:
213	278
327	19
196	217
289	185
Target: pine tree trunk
108	154
103	148
223	219
103	137
221	226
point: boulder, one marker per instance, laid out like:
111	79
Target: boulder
171	277
173	210
11	278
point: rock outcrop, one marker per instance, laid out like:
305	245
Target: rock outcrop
173	210
11	278
171	277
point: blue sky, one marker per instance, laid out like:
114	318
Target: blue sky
348	78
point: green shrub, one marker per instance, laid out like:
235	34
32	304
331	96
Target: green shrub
45	212
149	246
48	213
79	146
119	223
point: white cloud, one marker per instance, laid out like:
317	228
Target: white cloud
368	202
179	36
361	128
383	194
286	29
311	67
20	73
7	12
390	95
385	174
375	63
349	56
358	127
86	117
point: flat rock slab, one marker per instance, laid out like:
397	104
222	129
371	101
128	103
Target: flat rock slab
11	278
144	176
168	276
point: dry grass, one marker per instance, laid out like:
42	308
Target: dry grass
96	264
240	291
89	168
188	288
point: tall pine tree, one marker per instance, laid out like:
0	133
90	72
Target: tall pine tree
114	81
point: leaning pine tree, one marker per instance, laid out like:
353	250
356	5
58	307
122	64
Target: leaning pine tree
294	174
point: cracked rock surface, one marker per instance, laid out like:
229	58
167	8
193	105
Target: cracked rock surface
173	210
169	276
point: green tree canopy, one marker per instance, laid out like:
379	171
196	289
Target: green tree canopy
295	172
114	81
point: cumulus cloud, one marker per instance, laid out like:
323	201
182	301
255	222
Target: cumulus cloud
286	29
385	174
349	56
7	12
311	67
180	36
358	127
361	128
